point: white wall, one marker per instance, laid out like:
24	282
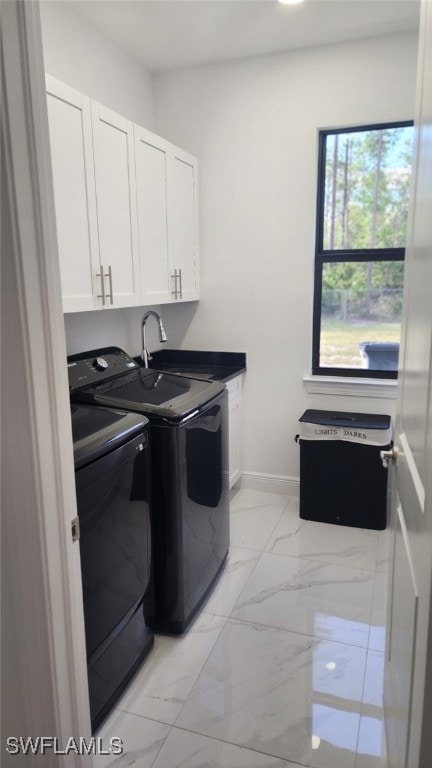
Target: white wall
76	53
253	125
111	327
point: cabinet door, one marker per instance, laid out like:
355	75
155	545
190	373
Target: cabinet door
116	205
183	205
151	161
74	194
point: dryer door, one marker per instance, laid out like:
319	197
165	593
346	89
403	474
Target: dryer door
113	508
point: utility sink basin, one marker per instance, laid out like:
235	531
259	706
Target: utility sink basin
195	371
211	366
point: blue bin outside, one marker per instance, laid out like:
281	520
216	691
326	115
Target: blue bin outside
380	355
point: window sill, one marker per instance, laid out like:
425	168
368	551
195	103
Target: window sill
351	387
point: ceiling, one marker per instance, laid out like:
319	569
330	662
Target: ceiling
163	34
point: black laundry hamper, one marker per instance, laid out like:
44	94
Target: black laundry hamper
342	478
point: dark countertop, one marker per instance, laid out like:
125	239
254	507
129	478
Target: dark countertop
216	366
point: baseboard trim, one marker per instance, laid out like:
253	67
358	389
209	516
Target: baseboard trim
234	478
259	481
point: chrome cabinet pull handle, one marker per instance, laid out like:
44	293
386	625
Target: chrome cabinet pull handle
109	276
175	291
102	277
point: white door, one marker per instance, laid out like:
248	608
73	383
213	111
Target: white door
408	678
116	206
74	194
151	160
183	204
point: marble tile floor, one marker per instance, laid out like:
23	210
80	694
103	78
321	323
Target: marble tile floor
283	668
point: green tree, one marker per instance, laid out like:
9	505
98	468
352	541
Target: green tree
366	189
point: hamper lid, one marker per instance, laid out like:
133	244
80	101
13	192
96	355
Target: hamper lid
366	428
346	419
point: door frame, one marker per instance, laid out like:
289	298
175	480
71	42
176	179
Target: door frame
44	671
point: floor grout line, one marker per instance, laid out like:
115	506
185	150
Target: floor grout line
297	632
240	746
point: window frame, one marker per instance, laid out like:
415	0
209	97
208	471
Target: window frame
323	256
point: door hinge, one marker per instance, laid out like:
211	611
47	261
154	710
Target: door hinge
75	529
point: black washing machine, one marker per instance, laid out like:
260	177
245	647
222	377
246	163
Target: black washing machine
111	452
190	502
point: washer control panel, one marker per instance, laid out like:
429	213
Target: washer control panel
97	365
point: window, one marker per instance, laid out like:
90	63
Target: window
362	213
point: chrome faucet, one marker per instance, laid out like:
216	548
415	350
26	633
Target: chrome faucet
145	355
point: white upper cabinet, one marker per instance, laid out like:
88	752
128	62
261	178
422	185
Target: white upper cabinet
167	196
74	193
116	205
126	208
151	159
183	205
